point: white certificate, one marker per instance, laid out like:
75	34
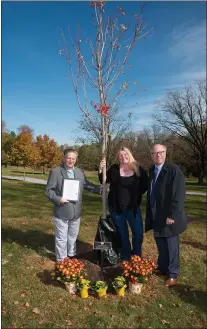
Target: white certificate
71	189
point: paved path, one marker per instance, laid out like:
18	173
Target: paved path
27	179
44	182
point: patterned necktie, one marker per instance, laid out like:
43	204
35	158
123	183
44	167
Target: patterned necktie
152	194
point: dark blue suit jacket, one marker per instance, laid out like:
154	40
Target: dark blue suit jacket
169	202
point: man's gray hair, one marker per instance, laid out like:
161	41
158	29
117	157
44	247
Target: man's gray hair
69	150
165	147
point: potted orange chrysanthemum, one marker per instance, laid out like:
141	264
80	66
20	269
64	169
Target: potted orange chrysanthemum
138	270
69	271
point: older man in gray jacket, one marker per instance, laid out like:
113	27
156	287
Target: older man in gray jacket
67	215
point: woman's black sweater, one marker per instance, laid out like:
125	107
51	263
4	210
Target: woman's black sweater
139	187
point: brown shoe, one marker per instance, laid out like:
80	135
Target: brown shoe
171	282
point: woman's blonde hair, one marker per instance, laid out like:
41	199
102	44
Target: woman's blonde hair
133	164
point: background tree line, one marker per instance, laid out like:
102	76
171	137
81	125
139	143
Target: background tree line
23	149
181	124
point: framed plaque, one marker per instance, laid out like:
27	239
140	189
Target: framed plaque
100	245
71	189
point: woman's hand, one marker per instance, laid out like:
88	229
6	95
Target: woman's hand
101	166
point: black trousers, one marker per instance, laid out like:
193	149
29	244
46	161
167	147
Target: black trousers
168	259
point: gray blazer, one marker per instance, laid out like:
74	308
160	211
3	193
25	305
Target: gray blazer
54	192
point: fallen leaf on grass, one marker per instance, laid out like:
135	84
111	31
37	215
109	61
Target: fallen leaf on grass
139	318
164	322
4	261
3	310
16	302
200	324
69	323
36	310
26	304
14	325
22	295
160	305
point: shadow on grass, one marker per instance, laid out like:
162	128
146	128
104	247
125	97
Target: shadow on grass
190	295
42	243
46	278
196	245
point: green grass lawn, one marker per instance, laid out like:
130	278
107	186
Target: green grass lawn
29	172
19	171
191	184
27	229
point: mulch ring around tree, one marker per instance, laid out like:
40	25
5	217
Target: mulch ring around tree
93	270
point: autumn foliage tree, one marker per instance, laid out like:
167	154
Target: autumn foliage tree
7	140
50	153
104	71
24	151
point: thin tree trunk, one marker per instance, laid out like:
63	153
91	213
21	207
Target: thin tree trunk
104	210
201	172
103	121
200	178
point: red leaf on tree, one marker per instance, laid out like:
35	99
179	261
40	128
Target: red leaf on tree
103	109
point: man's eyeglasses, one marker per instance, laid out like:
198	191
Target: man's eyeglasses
158	153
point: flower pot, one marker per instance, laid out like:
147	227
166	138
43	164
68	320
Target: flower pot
71	287
84	293
135	288
101	292
121	291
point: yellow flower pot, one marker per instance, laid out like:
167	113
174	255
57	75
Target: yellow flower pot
101	292
84	293
121	291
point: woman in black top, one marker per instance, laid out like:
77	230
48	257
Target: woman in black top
128	181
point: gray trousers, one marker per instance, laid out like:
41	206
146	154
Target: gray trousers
66	233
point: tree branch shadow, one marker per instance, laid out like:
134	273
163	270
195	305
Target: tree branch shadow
41	242
190	295
195	244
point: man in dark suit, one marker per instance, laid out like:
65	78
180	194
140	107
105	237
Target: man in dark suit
67	215
165	211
